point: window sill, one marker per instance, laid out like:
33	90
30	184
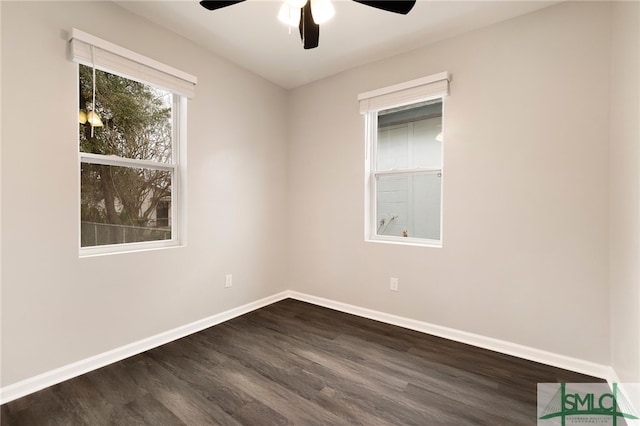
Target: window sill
417	242
105	250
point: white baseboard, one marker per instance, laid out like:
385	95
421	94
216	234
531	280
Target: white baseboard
520	351
50	378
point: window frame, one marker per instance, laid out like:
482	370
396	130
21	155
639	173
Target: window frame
371	103
180	85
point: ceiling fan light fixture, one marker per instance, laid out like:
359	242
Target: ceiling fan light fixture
296	3
322	11
309	14
289	15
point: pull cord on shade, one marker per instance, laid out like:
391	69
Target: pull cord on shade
92	116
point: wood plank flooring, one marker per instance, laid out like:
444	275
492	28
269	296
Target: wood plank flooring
293	363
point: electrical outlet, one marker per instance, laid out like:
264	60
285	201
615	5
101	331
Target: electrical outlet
228	280
393	284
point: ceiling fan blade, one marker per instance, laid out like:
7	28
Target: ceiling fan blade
309	30
214	4
402	7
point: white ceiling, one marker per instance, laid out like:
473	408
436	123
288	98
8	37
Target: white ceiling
250	35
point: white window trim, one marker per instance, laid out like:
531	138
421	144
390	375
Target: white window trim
170	79
432	87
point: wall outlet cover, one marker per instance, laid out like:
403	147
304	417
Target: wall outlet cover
393	284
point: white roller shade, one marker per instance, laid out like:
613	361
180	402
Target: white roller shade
422	89
118	60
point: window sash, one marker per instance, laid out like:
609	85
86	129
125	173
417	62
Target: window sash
371	203
86	251
113	160
374	202
400	172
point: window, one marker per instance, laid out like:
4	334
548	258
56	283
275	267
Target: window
404	161
162	213
131	142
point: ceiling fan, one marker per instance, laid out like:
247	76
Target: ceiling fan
301	13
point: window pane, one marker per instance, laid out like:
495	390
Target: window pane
124	205
407	137
408	205
393	148
136	118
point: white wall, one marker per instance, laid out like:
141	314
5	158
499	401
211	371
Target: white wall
624	190
57	308
525	234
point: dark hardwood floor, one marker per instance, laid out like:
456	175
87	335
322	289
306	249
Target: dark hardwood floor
296	363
